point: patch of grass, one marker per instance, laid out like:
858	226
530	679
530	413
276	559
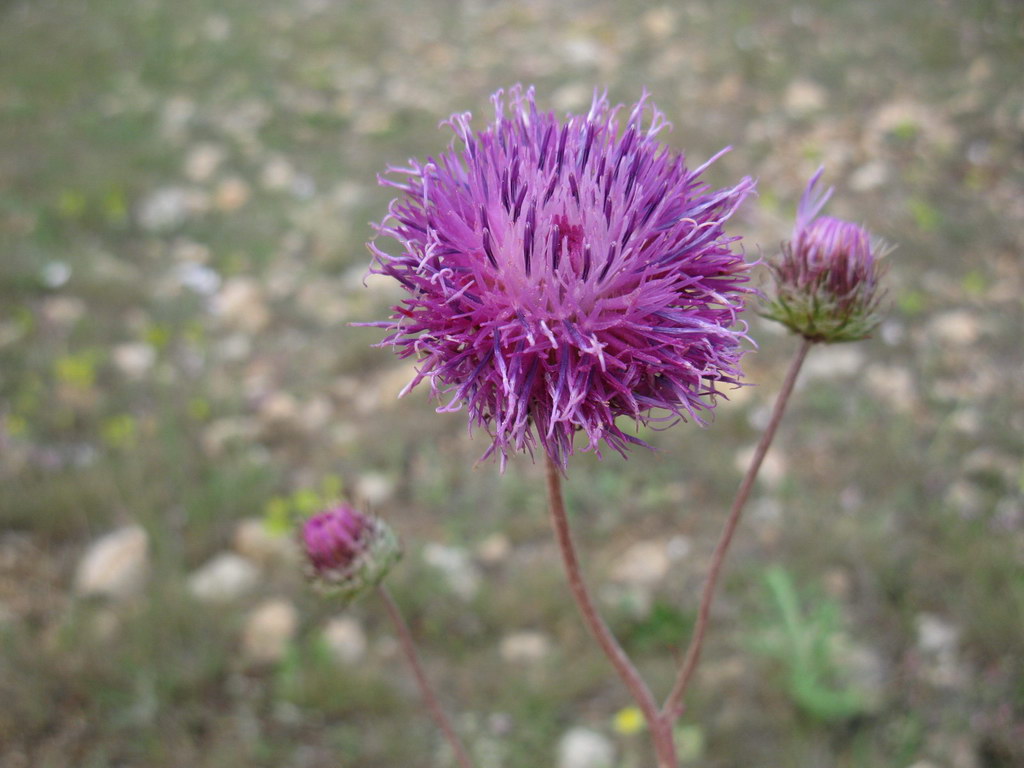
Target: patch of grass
804	643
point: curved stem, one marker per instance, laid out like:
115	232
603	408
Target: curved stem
661	731
673	706
429	697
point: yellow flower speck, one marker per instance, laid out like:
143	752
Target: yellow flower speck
628	721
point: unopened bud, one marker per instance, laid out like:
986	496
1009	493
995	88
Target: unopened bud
827	279
348	552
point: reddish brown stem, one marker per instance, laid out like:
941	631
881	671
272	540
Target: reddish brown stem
673	706
660	728
429	697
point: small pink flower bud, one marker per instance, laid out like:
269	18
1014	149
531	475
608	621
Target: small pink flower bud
349	552
827	279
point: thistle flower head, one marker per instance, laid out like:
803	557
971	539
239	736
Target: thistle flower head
563	273
827	279
348	552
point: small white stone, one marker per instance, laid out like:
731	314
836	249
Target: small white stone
316	415
957	328
833	362
303	186
455	566
343	434
372	121
493	549
990	461
234	348
55	274
679	547
968	421
659	22
115	565
585	748
938	642
345	639
221	433
935	635
582	51
374	488
254	541
186	250
892	384
644	564
175	116
202	161
901	117
892	332
163	209
278	174
269	630
197	277
240	304
224	578
231	194
217	28
279	408
869	176
804	97
965	497
63	310
526	647
570	96
134	359
347	196
324	302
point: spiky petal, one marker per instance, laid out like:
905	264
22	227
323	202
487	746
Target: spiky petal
561	274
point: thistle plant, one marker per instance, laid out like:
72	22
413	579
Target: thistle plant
561	274
349	553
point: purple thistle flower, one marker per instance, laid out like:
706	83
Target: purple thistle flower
564	273
348	552
827	280
334	538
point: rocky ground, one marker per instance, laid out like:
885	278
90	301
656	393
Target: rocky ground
184	197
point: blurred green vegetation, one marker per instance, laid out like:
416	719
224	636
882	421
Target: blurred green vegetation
807	644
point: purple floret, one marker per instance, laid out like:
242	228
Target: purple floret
334	539
561	274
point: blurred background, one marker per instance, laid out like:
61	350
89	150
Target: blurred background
185	191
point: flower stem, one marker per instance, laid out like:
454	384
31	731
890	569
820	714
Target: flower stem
673	706
429	697
660	728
